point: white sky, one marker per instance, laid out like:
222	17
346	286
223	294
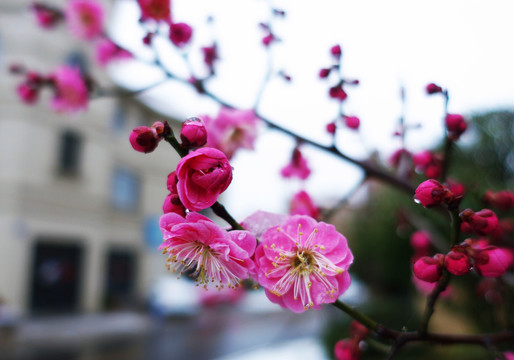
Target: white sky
463	45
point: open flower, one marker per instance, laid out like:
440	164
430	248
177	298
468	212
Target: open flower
231	130
202	176
197	244
85	18
71	93
302	263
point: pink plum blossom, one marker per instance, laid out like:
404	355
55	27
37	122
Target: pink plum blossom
302	204
302	264
231	130
71	92
107	51
297	167
202	176
85	18
216	256
158	10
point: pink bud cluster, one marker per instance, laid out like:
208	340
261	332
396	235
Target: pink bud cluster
486	260
455	126
349	349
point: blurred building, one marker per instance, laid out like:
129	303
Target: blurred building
78	207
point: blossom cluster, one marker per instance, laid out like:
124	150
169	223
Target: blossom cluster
301	263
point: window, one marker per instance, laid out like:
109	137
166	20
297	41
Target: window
125	191
70	153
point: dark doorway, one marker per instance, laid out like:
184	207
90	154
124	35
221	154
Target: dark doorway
120	280
56	277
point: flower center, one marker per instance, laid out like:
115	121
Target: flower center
303	265
201	262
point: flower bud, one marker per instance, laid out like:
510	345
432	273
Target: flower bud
420	241
503	200
433	89
144	139
352	122
347	349
432	192
193	133
492	261
331	128
358	331
457	263
28	93
429	269
336	51
337	92
323	73
180	34
455	125
482	222
173	204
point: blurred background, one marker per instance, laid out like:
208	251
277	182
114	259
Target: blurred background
80	273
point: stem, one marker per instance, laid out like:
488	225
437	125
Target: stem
431	300
363	319
220	210
172	140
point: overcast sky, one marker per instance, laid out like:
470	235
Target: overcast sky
463	45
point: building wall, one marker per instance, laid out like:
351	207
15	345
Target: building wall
37	200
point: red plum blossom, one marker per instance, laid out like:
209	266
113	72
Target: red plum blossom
158	10
492	261
202	176
482	222
216	256
302	263
347	349
180	34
